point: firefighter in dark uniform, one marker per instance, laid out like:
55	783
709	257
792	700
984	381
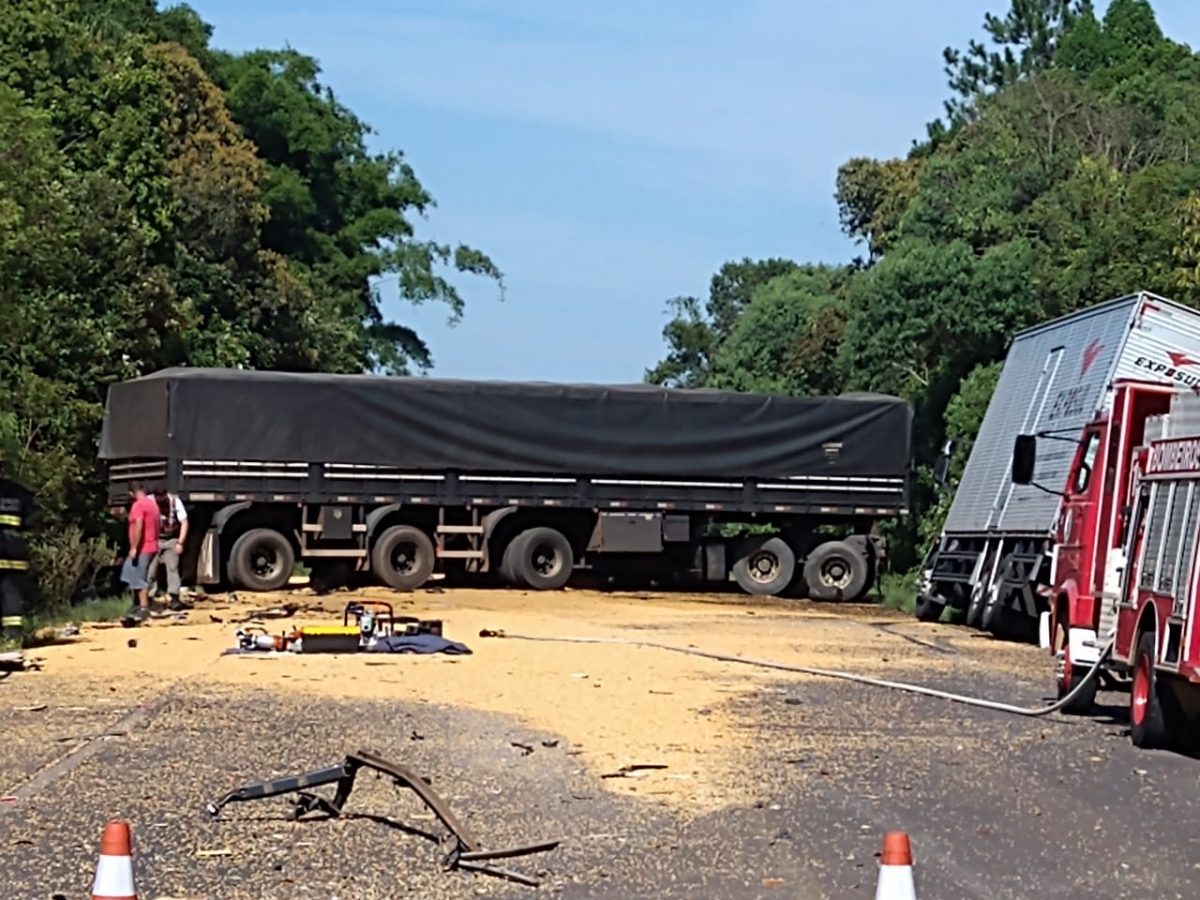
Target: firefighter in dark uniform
16	508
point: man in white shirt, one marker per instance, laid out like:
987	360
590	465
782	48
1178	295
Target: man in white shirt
172	533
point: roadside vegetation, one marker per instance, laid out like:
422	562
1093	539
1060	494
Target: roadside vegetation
1063	173
165	203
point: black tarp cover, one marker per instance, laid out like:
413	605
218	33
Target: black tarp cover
425	424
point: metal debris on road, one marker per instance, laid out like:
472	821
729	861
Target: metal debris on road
464	850
637	770
285	611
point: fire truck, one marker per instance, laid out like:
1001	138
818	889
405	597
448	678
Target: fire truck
1126	566
996	551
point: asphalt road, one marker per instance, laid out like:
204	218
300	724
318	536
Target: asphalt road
996	806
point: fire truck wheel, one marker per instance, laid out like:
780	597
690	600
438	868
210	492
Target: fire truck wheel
1069	677
262	559
765	566
542	559
837	570
1153	709
403	557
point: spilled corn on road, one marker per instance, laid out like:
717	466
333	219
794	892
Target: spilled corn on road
768	785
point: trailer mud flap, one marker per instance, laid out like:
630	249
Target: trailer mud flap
208	566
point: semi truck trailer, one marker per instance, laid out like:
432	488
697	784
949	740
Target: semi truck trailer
399	479
995	556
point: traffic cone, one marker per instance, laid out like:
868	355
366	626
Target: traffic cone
896	869
114	871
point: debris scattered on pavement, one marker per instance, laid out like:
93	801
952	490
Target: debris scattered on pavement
283	611
206	854
549	743
525	749
636	770
37	707
464	852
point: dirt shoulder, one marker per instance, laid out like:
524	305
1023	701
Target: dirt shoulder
613	705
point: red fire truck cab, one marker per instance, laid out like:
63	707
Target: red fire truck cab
1125	563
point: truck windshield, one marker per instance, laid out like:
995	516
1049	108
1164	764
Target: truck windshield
1087	461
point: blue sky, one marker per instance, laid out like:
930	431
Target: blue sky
611	156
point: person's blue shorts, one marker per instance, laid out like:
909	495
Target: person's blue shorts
135	572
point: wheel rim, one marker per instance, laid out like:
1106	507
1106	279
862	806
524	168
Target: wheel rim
404	558
1065	674
546	560
763	567
1140	693
835	573
264	562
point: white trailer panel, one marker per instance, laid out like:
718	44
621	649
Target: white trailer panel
1056	377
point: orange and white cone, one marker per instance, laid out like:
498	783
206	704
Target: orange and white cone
114	871
896	869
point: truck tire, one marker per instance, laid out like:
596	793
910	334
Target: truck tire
764	566
262	559
403	557
979	595
837	570
542	559
508	562
869	554
1069	678
995	609
1154	714
929	608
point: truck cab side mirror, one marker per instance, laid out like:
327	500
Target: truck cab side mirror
1024	458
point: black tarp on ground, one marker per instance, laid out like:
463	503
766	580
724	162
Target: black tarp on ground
433	424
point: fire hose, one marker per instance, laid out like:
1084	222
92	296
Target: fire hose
1031	711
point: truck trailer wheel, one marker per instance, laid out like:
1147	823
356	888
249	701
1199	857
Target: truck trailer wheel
403	557
995	609
262	559
508	562
541	559
837	570
764	566
929	608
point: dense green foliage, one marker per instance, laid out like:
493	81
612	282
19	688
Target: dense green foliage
1064	174
163	203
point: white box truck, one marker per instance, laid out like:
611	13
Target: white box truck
995	555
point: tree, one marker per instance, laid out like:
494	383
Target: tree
1028	37
872	197
787	339
338	213
695	333
147	221
1068	174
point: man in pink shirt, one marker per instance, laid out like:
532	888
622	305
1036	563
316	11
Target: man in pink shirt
143	545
